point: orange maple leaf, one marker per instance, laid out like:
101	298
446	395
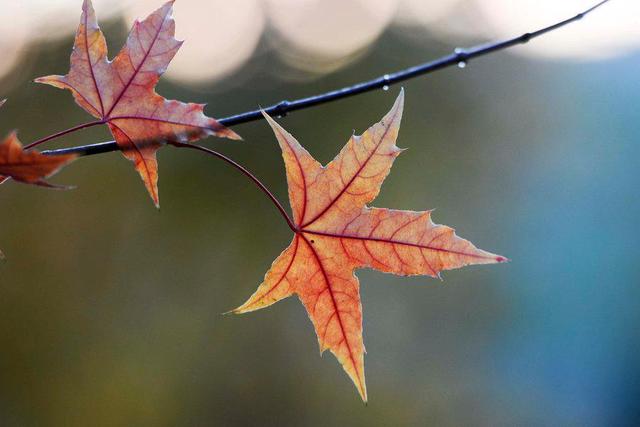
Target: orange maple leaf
29	167
336	233
121	92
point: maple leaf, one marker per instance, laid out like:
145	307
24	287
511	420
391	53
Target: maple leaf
336	233
121	92
29	167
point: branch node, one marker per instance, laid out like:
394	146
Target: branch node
281	109
461	57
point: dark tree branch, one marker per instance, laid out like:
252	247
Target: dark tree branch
458	57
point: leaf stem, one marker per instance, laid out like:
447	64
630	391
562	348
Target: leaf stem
248	174
63	133
459	56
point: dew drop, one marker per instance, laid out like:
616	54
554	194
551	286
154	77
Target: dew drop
462	64
385	87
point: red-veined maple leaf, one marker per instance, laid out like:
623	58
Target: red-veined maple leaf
121	92
336	233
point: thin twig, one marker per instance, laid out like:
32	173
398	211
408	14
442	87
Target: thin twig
459	56
242	169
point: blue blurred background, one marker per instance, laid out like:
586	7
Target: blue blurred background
110	309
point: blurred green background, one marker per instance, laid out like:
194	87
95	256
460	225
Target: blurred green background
110	311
